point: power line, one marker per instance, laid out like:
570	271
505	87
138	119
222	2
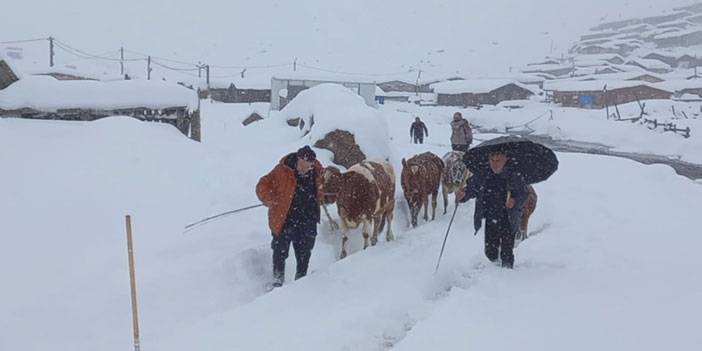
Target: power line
23	41
253	66
162	58
173	68
83	54
353	73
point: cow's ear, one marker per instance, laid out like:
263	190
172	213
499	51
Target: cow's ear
404	163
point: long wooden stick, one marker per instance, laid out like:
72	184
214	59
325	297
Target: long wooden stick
132	281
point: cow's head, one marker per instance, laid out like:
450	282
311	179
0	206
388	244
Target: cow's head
412	187
331	178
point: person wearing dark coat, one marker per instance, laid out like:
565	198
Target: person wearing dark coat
418	130
500	196
292	191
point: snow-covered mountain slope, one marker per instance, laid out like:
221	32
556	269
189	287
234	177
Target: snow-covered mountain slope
472	37
613	265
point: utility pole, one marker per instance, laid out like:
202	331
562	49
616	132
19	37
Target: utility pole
207	72
295	65
121	61
199	69
148	68
51	51
416	86
242	73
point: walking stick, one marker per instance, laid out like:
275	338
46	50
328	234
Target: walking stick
445	237
212	218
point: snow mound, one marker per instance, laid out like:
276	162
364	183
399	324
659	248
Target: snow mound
329	107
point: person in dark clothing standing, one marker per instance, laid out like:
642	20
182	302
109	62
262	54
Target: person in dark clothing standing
418	130
500	199
292	192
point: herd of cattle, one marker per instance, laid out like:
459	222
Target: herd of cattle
365	193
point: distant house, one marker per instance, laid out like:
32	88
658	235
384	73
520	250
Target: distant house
654	66
284	89
398	85
400	96
679	39
682	87
240	91
609	58
625	76
557	70
592	94
44	97
475	92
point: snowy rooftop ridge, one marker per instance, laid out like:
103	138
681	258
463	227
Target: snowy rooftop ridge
596	85
48	94
477	86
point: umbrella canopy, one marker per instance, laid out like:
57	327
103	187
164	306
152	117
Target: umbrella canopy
533	161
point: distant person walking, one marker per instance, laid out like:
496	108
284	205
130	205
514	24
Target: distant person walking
461	133
418	131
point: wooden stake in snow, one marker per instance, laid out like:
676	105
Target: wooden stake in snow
135	315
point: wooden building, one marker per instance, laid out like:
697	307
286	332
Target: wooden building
476	92
592	94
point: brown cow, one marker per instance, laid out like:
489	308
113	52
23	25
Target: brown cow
529	208
364	194
421	176
455	175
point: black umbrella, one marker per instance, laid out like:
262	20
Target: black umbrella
533	161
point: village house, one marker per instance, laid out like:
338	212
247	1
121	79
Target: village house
45	97
476	92
599	94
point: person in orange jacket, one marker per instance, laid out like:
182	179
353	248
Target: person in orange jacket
292	191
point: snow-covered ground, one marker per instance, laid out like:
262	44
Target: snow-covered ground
613	266
565	123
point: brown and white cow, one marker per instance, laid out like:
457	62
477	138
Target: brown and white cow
365	194
455	175
529	208
421	177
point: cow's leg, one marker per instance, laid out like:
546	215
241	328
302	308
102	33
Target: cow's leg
388	218
332	223
365	233
377	224
444	191
425	203
434	195
344	237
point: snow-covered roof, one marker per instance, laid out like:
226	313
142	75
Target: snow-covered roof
594	85
622	76
688	97
678	85
49	94
478	86
678	34
649	63
591	63
598	57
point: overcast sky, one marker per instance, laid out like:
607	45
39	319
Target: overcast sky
470	36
